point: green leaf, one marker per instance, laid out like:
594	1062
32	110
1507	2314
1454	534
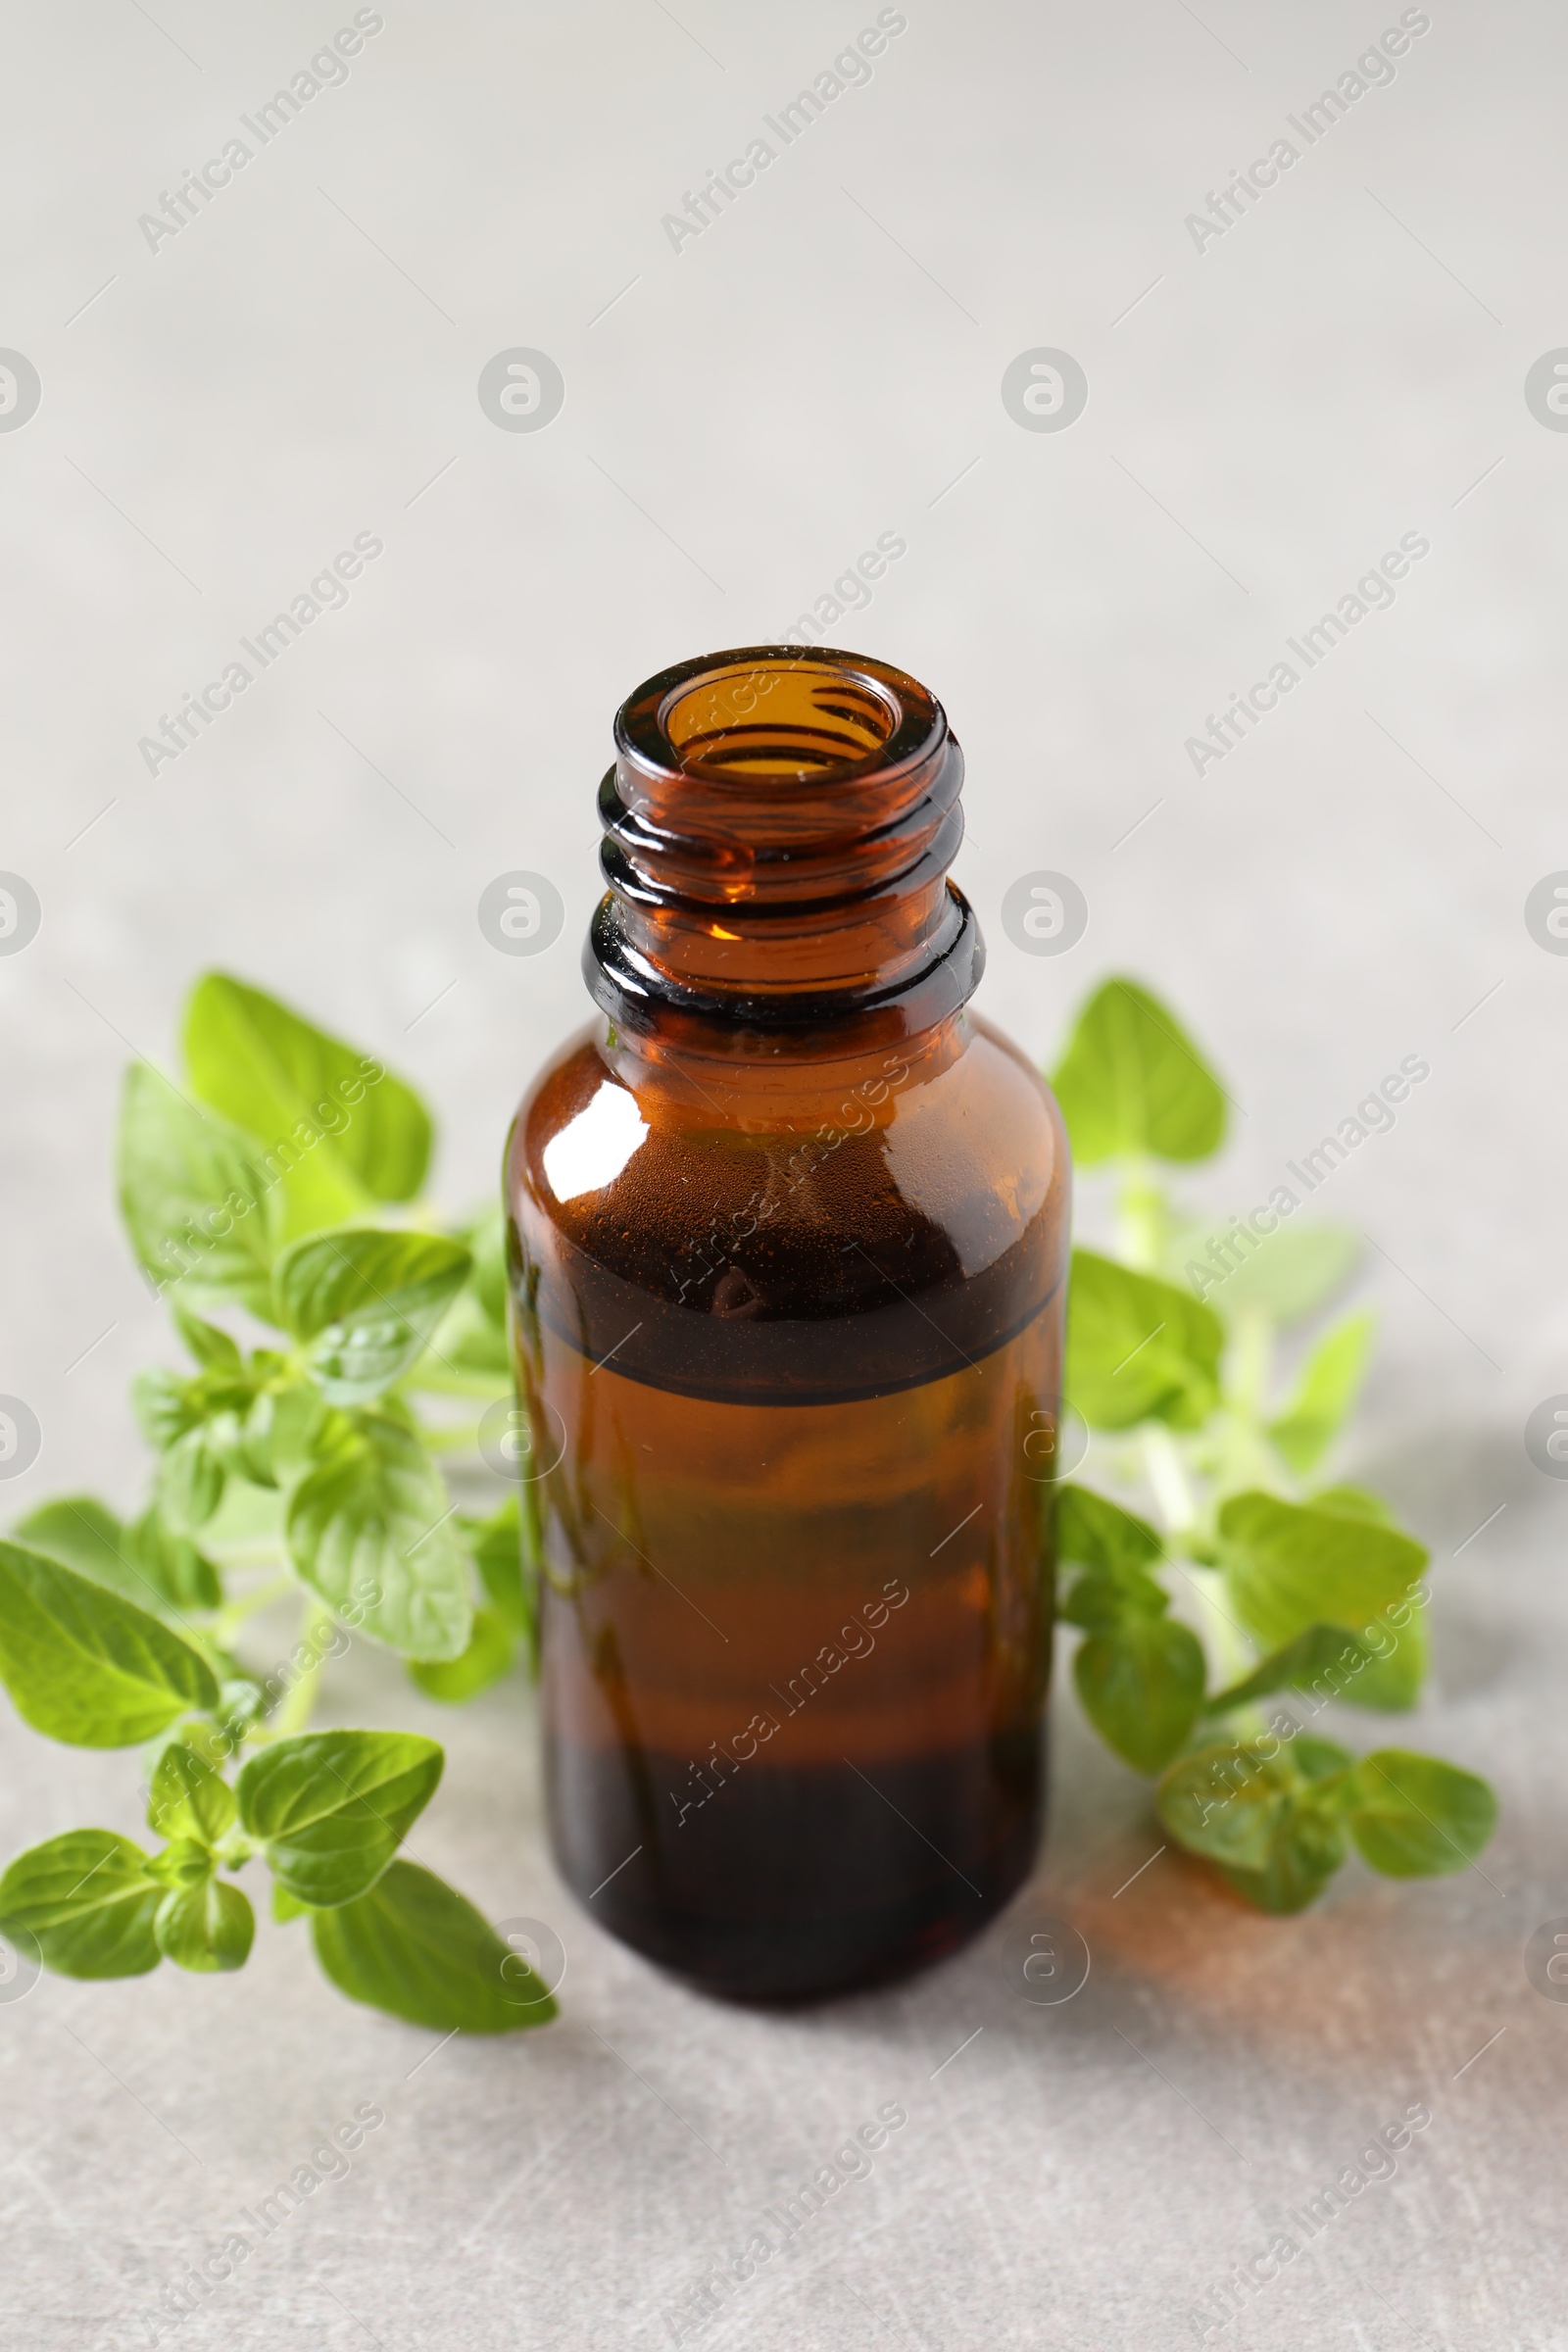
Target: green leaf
496	1547
190	1480
332	1808
1318	1765
1138	1348
1322	1649
415	1947
185	1863
212	1348
1394	1681
1099	1534
472	1337
1140	1687
1099	1602
169	1409
286	1427
1290	1566
1133	1081
365	1301
241	1707
85	1666
82	1533
1307	1849
370	1529
490	1655
165	1406
1115	1550
1415	1817
183	1576
1223	1802
206	1927
486	1238
286	1906
1353	1502
1293	1270
1328	1388
86	1899
339	1130
195	1201
187	1798
1230	1804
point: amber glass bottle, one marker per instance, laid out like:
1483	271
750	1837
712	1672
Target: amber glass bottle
788	1230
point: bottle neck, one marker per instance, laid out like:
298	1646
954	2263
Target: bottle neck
778	828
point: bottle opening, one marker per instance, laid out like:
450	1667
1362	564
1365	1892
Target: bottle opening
774	713
778	825
778	718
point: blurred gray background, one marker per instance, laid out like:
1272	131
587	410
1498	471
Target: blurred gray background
1269	410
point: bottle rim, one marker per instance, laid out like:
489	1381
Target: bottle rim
846	718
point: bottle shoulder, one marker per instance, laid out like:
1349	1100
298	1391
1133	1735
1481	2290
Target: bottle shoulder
921	1176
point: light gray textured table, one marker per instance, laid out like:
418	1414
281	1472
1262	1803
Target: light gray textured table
1269	410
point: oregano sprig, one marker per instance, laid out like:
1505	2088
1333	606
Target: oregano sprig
1299	1594
273	1180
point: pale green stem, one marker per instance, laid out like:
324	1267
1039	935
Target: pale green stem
1242	1457
233	1616
449	1438
1166	1472
435	1380
1143	1215
1233	1657
263	1553
295	1712
1252	1345
1143	1233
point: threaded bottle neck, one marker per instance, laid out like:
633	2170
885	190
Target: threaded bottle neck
778	828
